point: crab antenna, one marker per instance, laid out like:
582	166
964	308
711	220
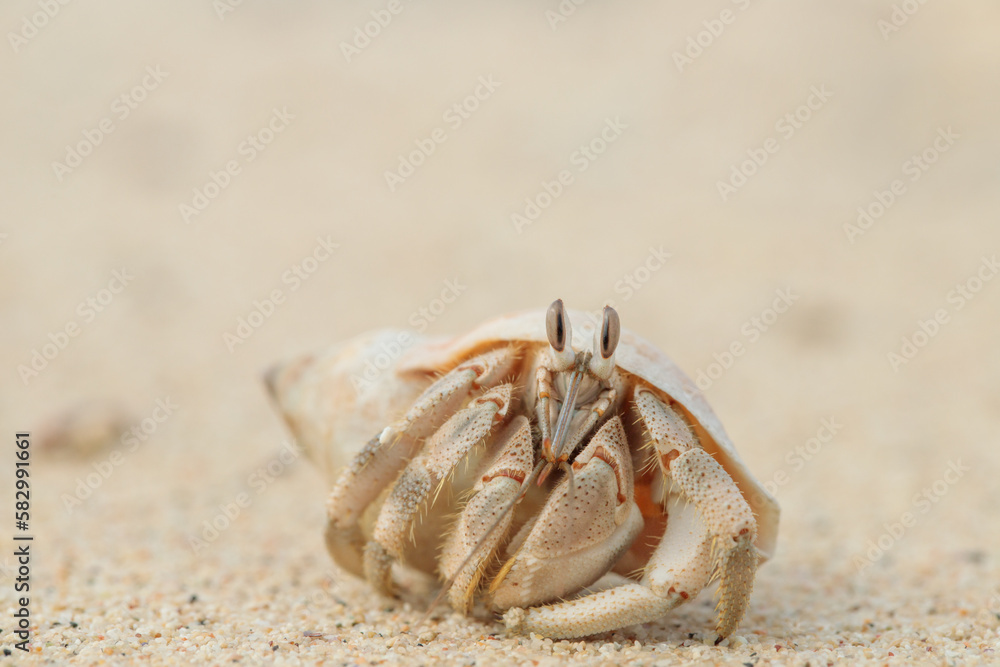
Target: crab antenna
508	508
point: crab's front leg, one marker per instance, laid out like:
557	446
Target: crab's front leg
380	461
710	531
426	473
706	485
487	516
677	571
732	530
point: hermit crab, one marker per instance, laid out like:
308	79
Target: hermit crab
522	463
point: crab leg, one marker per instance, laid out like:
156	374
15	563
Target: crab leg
669	434
429	469
445	395
678	570
731	524
709	488
710	531
493	493
375	467
585	526
544	391
381	459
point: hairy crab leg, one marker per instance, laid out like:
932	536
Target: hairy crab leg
429	469
442	398
384	456
731	524
486	517
372	469
543	392
709	488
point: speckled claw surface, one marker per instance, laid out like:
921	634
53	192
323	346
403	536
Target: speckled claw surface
522	463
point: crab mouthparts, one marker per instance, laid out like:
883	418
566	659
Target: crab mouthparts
553	448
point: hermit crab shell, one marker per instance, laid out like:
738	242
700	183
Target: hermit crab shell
336	402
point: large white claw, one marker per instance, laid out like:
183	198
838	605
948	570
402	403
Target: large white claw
588	522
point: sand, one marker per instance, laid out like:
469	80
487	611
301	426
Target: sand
870	405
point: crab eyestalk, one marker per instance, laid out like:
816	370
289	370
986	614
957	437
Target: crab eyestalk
560	334
605	343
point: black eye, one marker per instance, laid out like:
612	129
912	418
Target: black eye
611	330
555	325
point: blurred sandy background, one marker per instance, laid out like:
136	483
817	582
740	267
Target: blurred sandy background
115	577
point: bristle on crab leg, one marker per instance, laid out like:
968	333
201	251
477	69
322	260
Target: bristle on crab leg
380	461
702	484
731	524
485	519
442	452
448	392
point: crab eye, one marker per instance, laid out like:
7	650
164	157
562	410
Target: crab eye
611	331
560	335
555	325
605	341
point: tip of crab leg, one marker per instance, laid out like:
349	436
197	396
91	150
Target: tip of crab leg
430	610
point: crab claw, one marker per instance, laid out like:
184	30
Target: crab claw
590	519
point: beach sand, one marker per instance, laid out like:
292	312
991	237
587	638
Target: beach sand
172	171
